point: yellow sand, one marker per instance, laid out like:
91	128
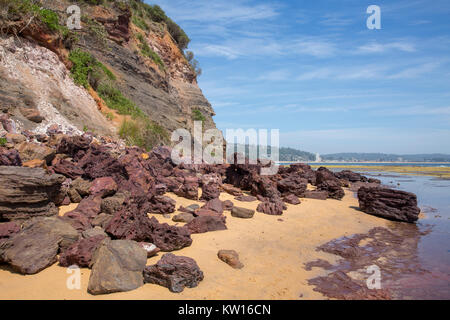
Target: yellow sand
273	252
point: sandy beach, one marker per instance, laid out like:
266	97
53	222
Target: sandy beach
273	249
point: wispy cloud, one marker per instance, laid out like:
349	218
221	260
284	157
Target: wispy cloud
376	47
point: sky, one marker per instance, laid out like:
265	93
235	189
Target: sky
313	70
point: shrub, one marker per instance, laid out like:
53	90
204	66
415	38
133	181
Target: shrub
50	18
149	53
83	65
114	99
143	133
138	22
197	115
3	142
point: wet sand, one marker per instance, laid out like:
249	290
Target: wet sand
273	249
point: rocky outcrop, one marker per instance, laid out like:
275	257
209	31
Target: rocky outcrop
326	181
28	192
117	266
174	272
36	246
389	204
132	223
34	80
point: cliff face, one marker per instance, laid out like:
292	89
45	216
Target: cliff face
145	64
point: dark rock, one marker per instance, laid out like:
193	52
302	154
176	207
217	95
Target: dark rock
207	223
7	229
28	192
183	217
291	199
189	209
112	204
242	213
215	205
350	176
174	273
326	181
132	223
9	157
66	168
80	253
162	205
293	184
93	232
36	246
231	258
318	195
101	220
228	188
274	208
227	205
73	145
389	204
211	186
74	195
81	186
117	266
245	198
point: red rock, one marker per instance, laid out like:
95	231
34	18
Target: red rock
9	157
326	181
389	204
162	205
246	198
7	229
271	208
293	184
80	253
215	205
291	199
132	223
174	272
103	187
319	195
66	168
207	223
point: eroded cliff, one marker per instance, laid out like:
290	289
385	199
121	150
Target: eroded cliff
124	73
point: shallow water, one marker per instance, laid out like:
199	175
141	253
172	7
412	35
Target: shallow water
433	197
383	164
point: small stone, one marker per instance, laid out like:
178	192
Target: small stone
231	258
243	213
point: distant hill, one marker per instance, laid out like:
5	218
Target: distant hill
382	157
290	154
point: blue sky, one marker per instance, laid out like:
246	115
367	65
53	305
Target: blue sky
315	71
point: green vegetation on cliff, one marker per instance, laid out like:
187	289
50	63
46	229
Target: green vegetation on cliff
87	71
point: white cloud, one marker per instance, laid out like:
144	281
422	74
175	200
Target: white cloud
375	47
